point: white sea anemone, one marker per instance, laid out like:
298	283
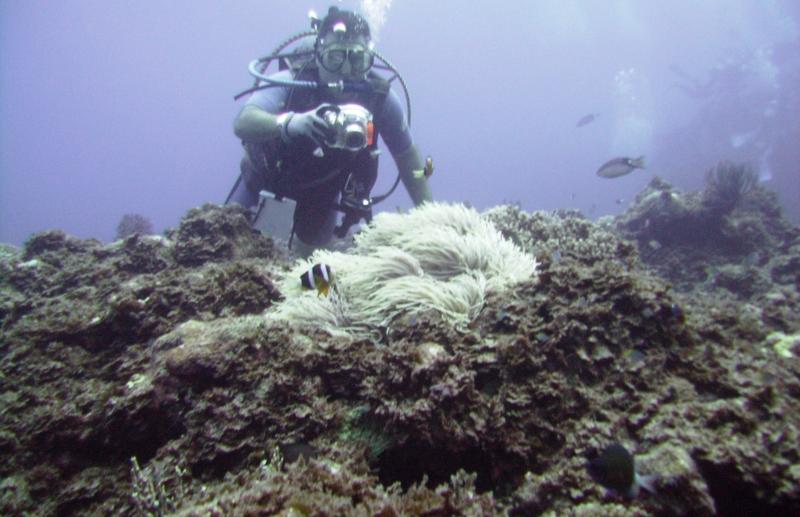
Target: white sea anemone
439	257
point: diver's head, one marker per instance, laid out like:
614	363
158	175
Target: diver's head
343	46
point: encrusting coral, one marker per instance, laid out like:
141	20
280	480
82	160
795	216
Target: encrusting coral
439	257
562	234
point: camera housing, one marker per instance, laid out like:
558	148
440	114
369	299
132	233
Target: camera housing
353	128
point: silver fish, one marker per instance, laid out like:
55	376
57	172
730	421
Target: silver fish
620	167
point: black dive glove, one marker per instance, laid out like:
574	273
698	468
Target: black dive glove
309	123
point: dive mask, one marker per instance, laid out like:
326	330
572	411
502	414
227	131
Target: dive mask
333	58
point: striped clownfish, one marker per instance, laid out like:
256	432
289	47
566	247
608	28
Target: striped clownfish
319	277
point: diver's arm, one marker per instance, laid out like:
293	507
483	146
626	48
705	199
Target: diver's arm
257	122
256	125
396	135
407	162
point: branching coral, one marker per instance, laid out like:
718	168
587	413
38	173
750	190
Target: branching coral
439	257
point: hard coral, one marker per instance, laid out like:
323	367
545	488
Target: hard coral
158	349
213	233
564	234
339	486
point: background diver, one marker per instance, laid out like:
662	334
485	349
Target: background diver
310	131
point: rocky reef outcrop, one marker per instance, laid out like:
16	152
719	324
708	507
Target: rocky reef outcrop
729	239
143	378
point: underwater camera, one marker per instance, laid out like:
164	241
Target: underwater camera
352	126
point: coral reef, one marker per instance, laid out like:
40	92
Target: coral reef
562	235
745	253
152	376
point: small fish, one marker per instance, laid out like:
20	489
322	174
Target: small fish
620	167
587	119
319	277
427	171
619	201
615	469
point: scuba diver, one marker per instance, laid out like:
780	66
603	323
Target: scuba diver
310	131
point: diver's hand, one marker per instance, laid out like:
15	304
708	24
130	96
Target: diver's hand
309	124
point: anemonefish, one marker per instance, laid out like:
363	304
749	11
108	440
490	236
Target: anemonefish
319	277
